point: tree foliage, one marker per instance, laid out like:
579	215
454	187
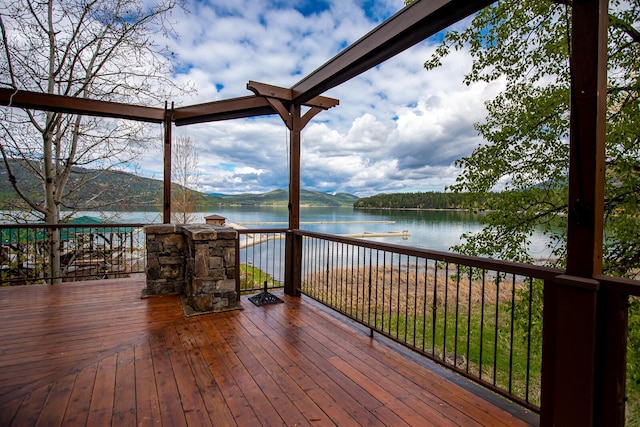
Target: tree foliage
525	45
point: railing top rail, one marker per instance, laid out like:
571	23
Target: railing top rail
620	285
540	272
260	230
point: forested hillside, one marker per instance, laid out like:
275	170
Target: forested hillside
426	200
87	187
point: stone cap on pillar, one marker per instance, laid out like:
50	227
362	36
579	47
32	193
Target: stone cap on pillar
160	228
215	219
208	232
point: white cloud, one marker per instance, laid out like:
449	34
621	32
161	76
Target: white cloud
397	128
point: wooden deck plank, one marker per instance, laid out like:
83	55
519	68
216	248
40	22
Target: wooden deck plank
212	396
389	417
454	402
147	403
384	392
31	407
320	359
237	402
193	407
355	357
124	399
94	353
260	404
168	394
351	396
9	410
56	405
280	375
80	399
98	317
271	387
48	369
336	412
101	407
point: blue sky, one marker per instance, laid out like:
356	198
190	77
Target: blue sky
398	127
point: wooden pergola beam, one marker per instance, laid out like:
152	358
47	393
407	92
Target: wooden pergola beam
235	108
246	106
409	26
281	100
83	106
270	91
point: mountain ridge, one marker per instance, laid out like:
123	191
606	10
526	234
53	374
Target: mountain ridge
281	198
136	191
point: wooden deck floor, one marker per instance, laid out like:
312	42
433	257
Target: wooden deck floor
96	354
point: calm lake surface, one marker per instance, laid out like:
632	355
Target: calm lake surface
437	230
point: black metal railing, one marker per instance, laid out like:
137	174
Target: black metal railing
261	258
479	317
87	251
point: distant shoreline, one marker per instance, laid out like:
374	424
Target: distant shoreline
415	209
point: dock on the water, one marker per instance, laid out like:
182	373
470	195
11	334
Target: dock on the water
258	238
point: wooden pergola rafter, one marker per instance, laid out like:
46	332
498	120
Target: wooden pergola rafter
585	326
73	105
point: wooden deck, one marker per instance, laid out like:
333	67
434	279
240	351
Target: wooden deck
94	353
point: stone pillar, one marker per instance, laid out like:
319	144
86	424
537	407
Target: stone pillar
165	259
196	260
210	283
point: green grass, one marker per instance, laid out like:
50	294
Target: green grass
476	339
252	278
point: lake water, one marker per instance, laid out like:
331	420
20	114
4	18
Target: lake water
437	230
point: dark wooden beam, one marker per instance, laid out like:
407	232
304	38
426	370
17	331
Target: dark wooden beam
293	244
270	91
294	168
235	108
280	99
588	135
582	318
82	106
406	28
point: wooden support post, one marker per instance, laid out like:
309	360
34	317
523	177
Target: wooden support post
291	113
569	351
585	325
166	188
588	135
611	347
294	243
294	168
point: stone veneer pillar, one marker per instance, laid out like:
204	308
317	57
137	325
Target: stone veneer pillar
210	280
165	259
195	260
